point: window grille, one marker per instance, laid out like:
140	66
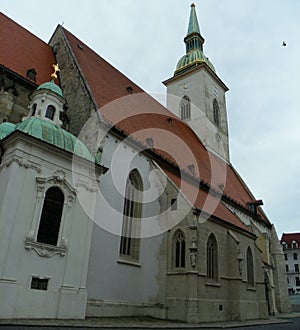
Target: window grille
39	283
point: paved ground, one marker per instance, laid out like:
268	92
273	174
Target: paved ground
281	322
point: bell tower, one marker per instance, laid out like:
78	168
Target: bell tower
196	94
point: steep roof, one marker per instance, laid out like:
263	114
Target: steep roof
288	238
31	52
142	117
132	111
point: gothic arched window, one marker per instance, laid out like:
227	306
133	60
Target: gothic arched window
212	258
51	216
185	108
179	249
50	112
132	212
250	270
216	112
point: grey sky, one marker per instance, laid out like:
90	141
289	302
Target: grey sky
144	40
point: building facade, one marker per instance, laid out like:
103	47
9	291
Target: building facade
290	245
112	204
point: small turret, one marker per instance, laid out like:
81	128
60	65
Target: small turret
47	101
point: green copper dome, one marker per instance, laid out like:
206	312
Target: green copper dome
192	58
5	129
50	85
52	134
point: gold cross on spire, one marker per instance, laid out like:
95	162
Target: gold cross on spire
56	69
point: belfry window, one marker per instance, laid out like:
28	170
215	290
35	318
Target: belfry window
132	212
50	112
51	216
250	270
185	108
212	258
216	113
179	249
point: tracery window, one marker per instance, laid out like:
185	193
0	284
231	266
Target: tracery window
250	269
51	216
50	111
216	112
185	108
179	249
132	212
212	258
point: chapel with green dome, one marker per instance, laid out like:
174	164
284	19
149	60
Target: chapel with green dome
43	122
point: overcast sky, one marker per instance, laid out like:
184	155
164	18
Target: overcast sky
144	40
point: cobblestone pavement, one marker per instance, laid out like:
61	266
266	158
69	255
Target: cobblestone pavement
280	322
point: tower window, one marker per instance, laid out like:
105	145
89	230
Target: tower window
50	112
132	212
51	216
179	249
216	112
185	108
212	258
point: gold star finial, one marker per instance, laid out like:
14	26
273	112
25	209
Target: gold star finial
56	69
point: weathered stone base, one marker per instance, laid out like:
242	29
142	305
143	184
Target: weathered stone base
206	310
102	308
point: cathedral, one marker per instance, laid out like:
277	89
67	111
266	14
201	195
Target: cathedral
112	204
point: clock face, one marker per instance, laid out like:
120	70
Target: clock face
184	88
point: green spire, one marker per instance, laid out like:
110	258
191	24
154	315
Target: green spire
194	46
193	23
193	39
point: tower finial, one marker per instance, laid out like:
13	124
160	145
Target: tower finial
56	69
193	22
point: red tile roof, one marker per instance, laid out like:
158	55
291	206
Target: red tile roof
21	51
289	238
136	114
141	117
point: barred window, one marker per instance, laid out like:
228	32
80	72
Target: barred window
250	270
185	108
50	111
212	258
179	249
132	212
39	284
51	216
